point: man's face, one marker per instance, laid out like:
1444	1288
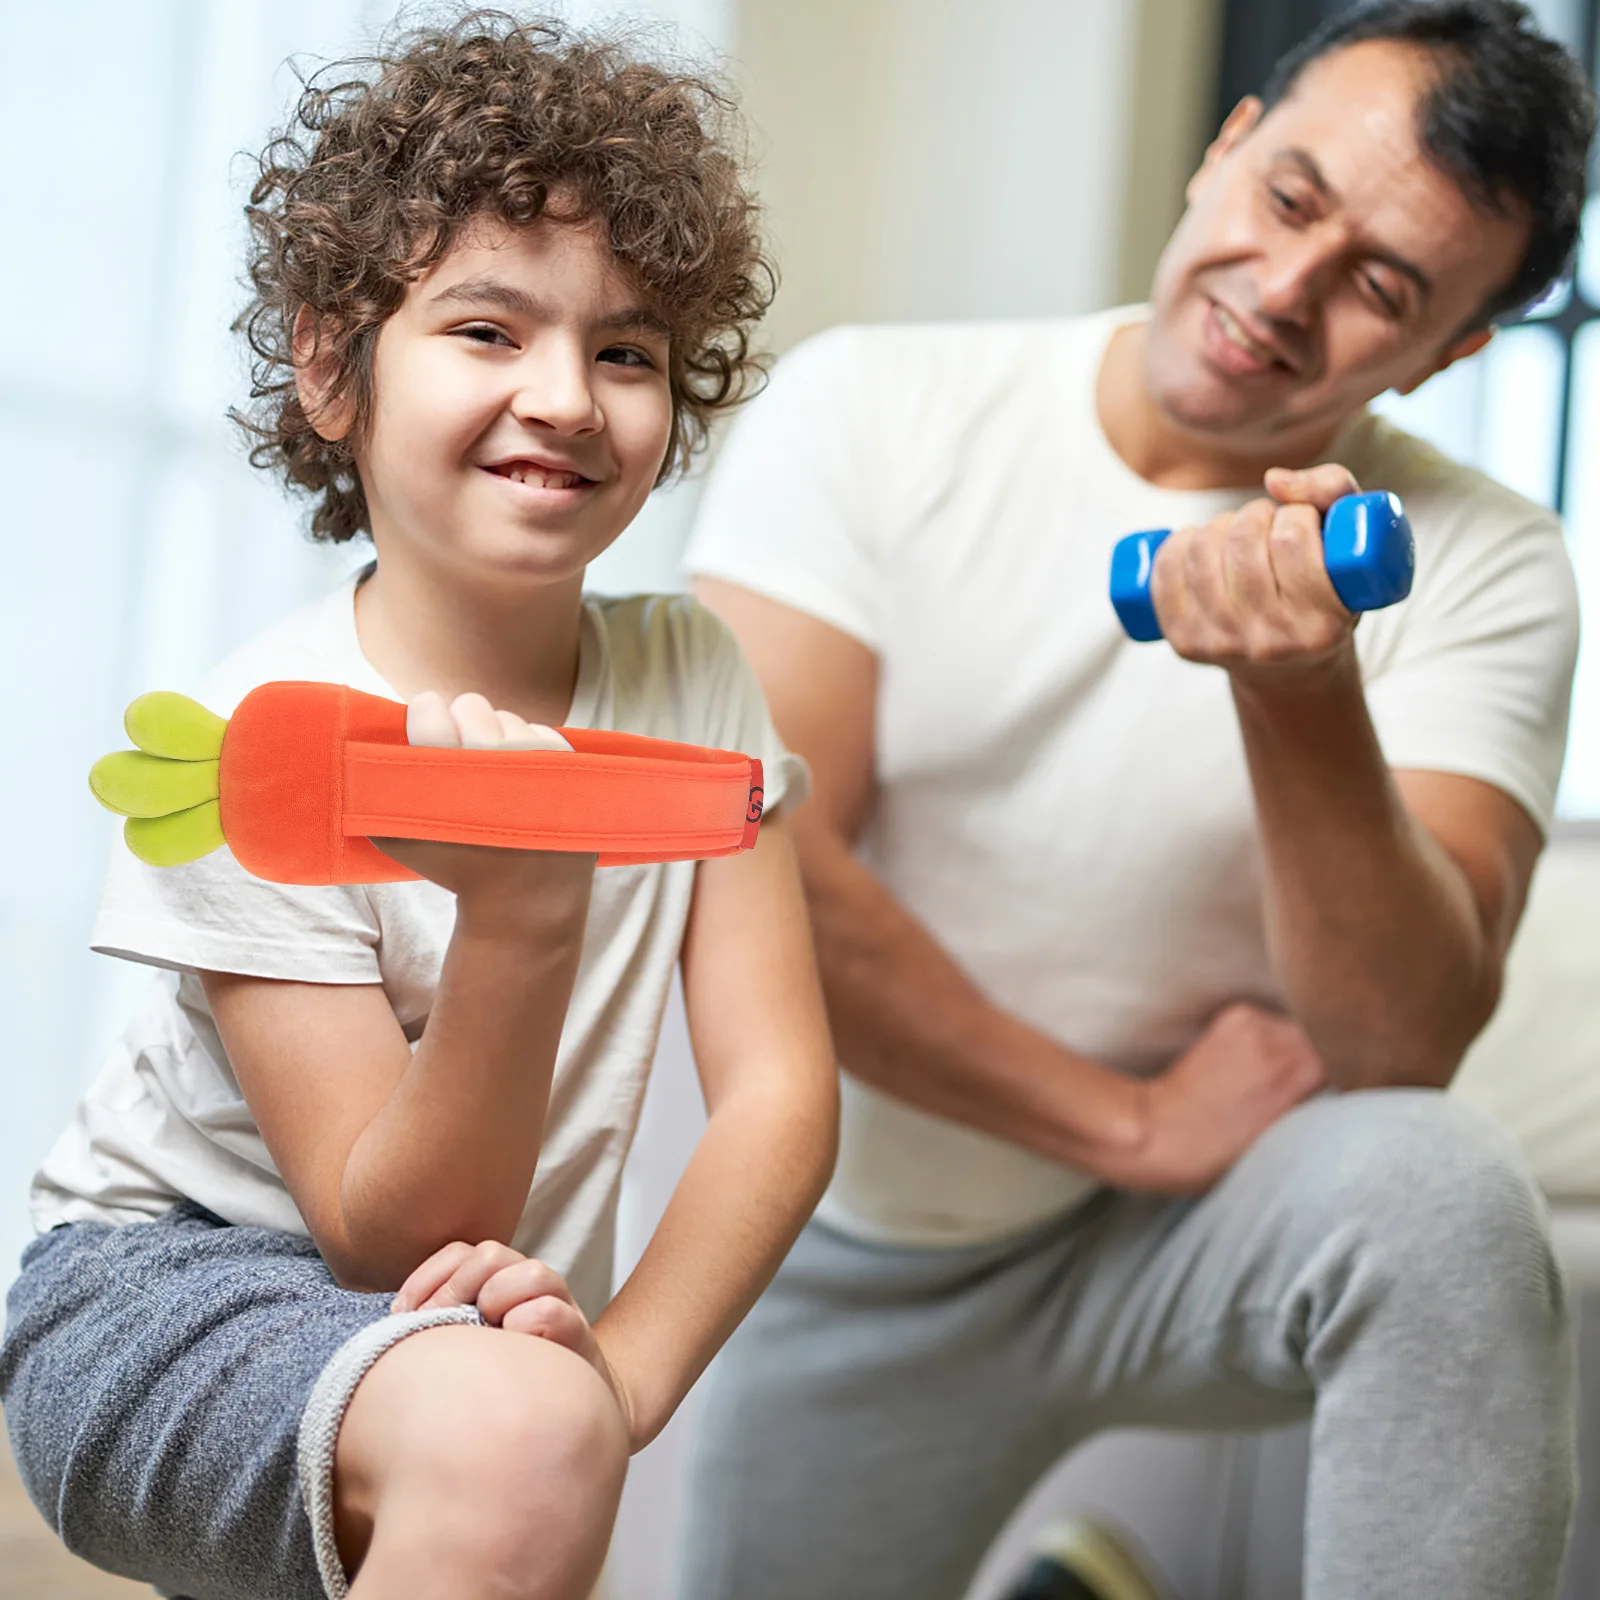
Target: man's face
1323	259
522	406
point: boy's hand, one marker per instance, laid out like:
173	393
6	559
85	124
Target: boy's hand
469	722
519	880
515	1292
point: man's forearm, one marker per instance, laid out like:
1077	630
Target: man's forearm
906	1019
1373	928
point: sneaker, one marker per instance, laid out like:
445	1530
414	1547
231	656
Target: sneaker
1083	1558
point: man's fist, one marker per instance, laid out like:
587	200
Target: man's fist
1249	590
1248	1068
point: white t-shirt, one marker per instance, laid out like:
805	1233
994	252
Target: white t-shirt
1068	812
165	1118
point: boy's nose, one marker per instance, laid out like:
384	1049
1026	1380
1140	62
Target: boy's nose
555	392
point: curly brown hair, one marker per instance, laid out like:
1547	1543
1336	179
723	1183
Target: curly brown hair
388	158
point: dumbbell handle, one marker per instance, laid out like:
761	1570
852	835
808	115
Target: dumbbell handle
1366	543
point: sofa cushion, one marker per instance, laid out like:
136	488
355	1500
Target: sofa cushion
1576	1231
1536	1066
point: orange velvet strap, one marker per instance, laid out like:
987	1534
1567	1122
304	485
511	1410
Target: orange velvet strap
313	772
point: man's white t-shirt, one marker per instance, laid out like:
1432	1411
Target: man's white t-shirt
1068	812
165	1118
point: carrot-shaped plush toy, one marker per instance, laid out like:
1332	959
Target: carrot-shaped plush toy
303	776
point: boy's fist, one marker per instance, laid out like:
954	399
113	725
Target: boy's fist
469	722
541	883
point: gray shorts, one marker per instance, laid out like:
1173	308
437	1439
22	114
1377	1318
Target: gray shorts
173	1390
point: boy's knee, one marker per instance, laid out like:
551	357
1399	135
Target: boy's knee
550	1428
496	1439
515	1409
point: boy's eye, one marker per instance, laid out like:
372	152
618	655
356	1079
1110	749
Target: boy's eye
482	333
1283	201
626	355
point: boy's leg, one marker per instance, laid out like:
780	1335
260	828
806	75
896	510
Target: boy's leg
473	1461
173	1390
1383	1254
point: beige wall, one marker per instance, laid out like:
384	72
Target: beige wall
1173	95
923	158
941	158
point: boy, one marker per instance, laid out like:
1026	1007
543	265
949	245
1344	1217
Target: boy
317	1298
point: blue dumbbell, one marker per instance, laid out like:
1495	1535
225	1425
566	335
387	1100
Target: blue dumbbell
1366	542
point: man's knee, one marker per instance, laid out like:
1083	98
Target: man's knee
1430	1185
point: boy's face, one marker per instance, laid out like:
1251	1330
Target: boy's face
521	407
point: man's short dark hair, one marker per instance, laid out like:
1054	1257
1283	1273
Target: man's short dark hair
1509	119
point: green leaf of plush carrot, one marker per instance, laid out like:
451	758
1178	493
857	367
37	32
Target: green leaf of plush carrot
174	726
171	841
168	787
140	785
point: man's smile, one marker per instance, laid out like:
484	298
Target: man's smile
1236	349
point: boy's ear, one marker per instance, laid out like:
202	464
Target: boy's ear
314	380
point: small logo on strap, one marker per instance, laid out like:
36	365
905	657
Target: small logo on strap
754	813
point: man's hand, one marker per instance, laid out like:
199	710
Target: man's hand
1249	591
1244	1072
514	1292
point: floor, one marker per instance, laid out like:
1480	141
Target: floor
33	1563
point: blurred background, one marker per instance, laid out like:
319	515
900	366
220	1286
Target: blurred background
919	159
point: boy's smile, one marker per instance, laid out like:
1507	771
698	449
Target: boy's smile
521	407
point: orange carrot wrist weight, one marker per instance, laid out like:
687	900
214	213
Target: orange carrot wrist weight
303	776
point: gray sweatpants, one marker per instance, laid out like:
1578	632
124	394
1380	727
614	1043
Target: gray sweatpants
1380	1261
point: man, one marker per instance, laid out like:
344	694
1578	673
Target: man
1098	921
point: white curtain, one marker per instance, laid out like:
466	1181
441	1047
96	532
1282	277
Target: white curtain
139	545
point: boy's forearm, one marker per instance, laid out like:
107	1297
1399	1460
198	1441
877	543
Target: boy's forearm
450	1153
753	1181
